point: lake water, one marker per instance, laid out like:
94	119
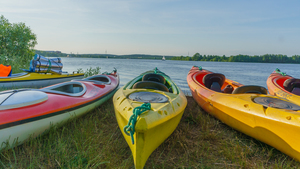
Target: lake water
245	73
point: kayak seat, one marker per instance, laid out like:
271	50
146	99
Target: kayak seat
250	89
154	77
150	85
290	84
228	89
214	81
215	86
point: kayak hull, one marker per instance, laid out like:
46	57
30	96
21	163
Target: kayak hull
17	125
153	126
276	127
35	80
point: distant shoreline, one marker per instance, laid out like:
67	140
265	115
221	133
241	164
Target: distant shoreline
267	58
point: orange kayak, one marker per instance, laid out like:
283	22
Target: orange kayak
248	109
285	86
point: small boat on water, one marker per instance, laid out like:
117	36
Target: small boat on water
148	109
26	113
248	109
285	86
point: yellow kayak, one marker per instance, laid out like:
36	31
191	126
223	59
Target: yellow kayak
248	109
36	80
148	109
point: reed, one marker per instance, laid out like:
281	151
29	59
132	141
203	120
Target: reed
90	71
95	141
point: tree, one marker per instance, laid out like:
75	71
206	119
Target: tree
196	57
16	43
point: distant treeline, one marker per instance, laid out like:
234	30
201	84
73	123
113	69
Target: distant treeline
133	56
267	58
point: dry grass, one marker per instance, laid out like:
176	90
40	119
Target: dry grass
95	141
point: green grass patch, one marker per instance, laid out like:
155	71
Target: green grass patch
95	141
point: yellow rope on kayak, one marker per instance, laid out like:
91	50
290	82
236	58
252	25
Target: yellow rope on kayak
129	129
278	71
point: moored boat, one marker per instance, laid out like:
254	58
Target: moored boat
42	72
26	113
248	109
36	80
148	109
285	86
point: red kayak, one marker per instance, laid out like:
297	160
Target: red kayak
26	113
285	86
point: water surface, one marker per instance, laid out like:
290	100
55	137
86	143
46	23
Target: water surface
245	73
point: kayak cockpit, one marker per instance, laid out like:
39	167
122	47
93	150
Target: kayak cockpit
289	84
153	81
20	98
215	81
292	85
218	83
72	88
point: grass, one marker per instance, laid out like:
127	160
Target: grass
95	141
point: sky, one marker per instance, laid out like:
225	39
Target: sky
161	27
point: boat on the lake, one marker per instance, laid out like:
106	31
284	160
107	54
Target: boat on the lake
27	113
248	109
148	109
